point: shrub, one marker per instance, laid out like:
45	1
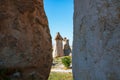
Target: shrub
66	61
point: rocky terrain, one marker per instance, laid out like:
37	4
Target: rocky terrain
96	45
25	41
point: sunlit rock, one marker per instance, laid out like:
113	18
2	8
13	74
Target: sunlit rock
58	48
96	45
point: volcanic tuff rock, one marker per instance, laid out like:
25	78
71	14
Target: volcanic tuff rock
96	45
66	47
58	48
25	41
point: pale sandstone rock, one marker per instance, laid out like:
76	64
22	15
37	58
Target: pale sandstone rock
58	48
96	45
25	41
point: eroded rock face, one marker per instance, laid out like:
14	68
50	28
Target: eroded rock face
66	47
96	45
58	48
25	41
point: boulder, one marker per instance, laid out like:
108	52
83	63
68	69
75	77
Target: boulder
96	45
25	41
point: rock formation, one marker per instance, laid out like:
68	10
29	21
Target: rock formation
58	48
25	41
96	45
66	47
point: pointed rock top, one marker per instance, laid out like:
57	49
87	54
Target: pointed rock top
58	37
65	39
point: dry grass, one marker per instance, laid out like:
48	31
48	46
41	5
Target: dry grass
60	76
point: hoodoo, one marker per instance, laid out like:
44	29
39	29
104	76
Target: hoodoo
96	45
58	48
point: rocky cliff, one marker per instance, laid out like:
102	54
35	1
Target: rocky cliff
96	45
25	41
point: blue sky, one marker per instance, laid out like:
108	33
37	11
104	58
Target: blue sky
60	17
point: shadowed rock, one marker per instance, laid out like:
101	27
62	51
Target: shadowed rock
25	41
66	47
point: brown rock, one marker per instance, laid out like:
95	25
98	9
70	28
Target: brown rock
25	41
66	47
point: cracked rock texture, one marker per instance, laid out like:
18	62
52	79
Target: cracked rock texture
96	45
25	41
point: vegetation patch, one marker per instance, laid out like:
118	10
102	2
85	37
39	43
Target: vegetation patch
60	76
66	61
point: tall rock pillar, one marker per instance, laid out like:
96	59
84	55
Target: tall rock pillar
96	45
25	41
66	47
58	48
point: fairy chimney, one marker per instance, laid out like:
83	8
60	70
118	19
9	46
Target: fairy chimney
66	47
58	48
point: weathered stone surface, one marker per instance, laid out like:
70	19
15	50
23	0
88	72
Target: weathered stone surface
66	47
58	48
96	45
25	41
